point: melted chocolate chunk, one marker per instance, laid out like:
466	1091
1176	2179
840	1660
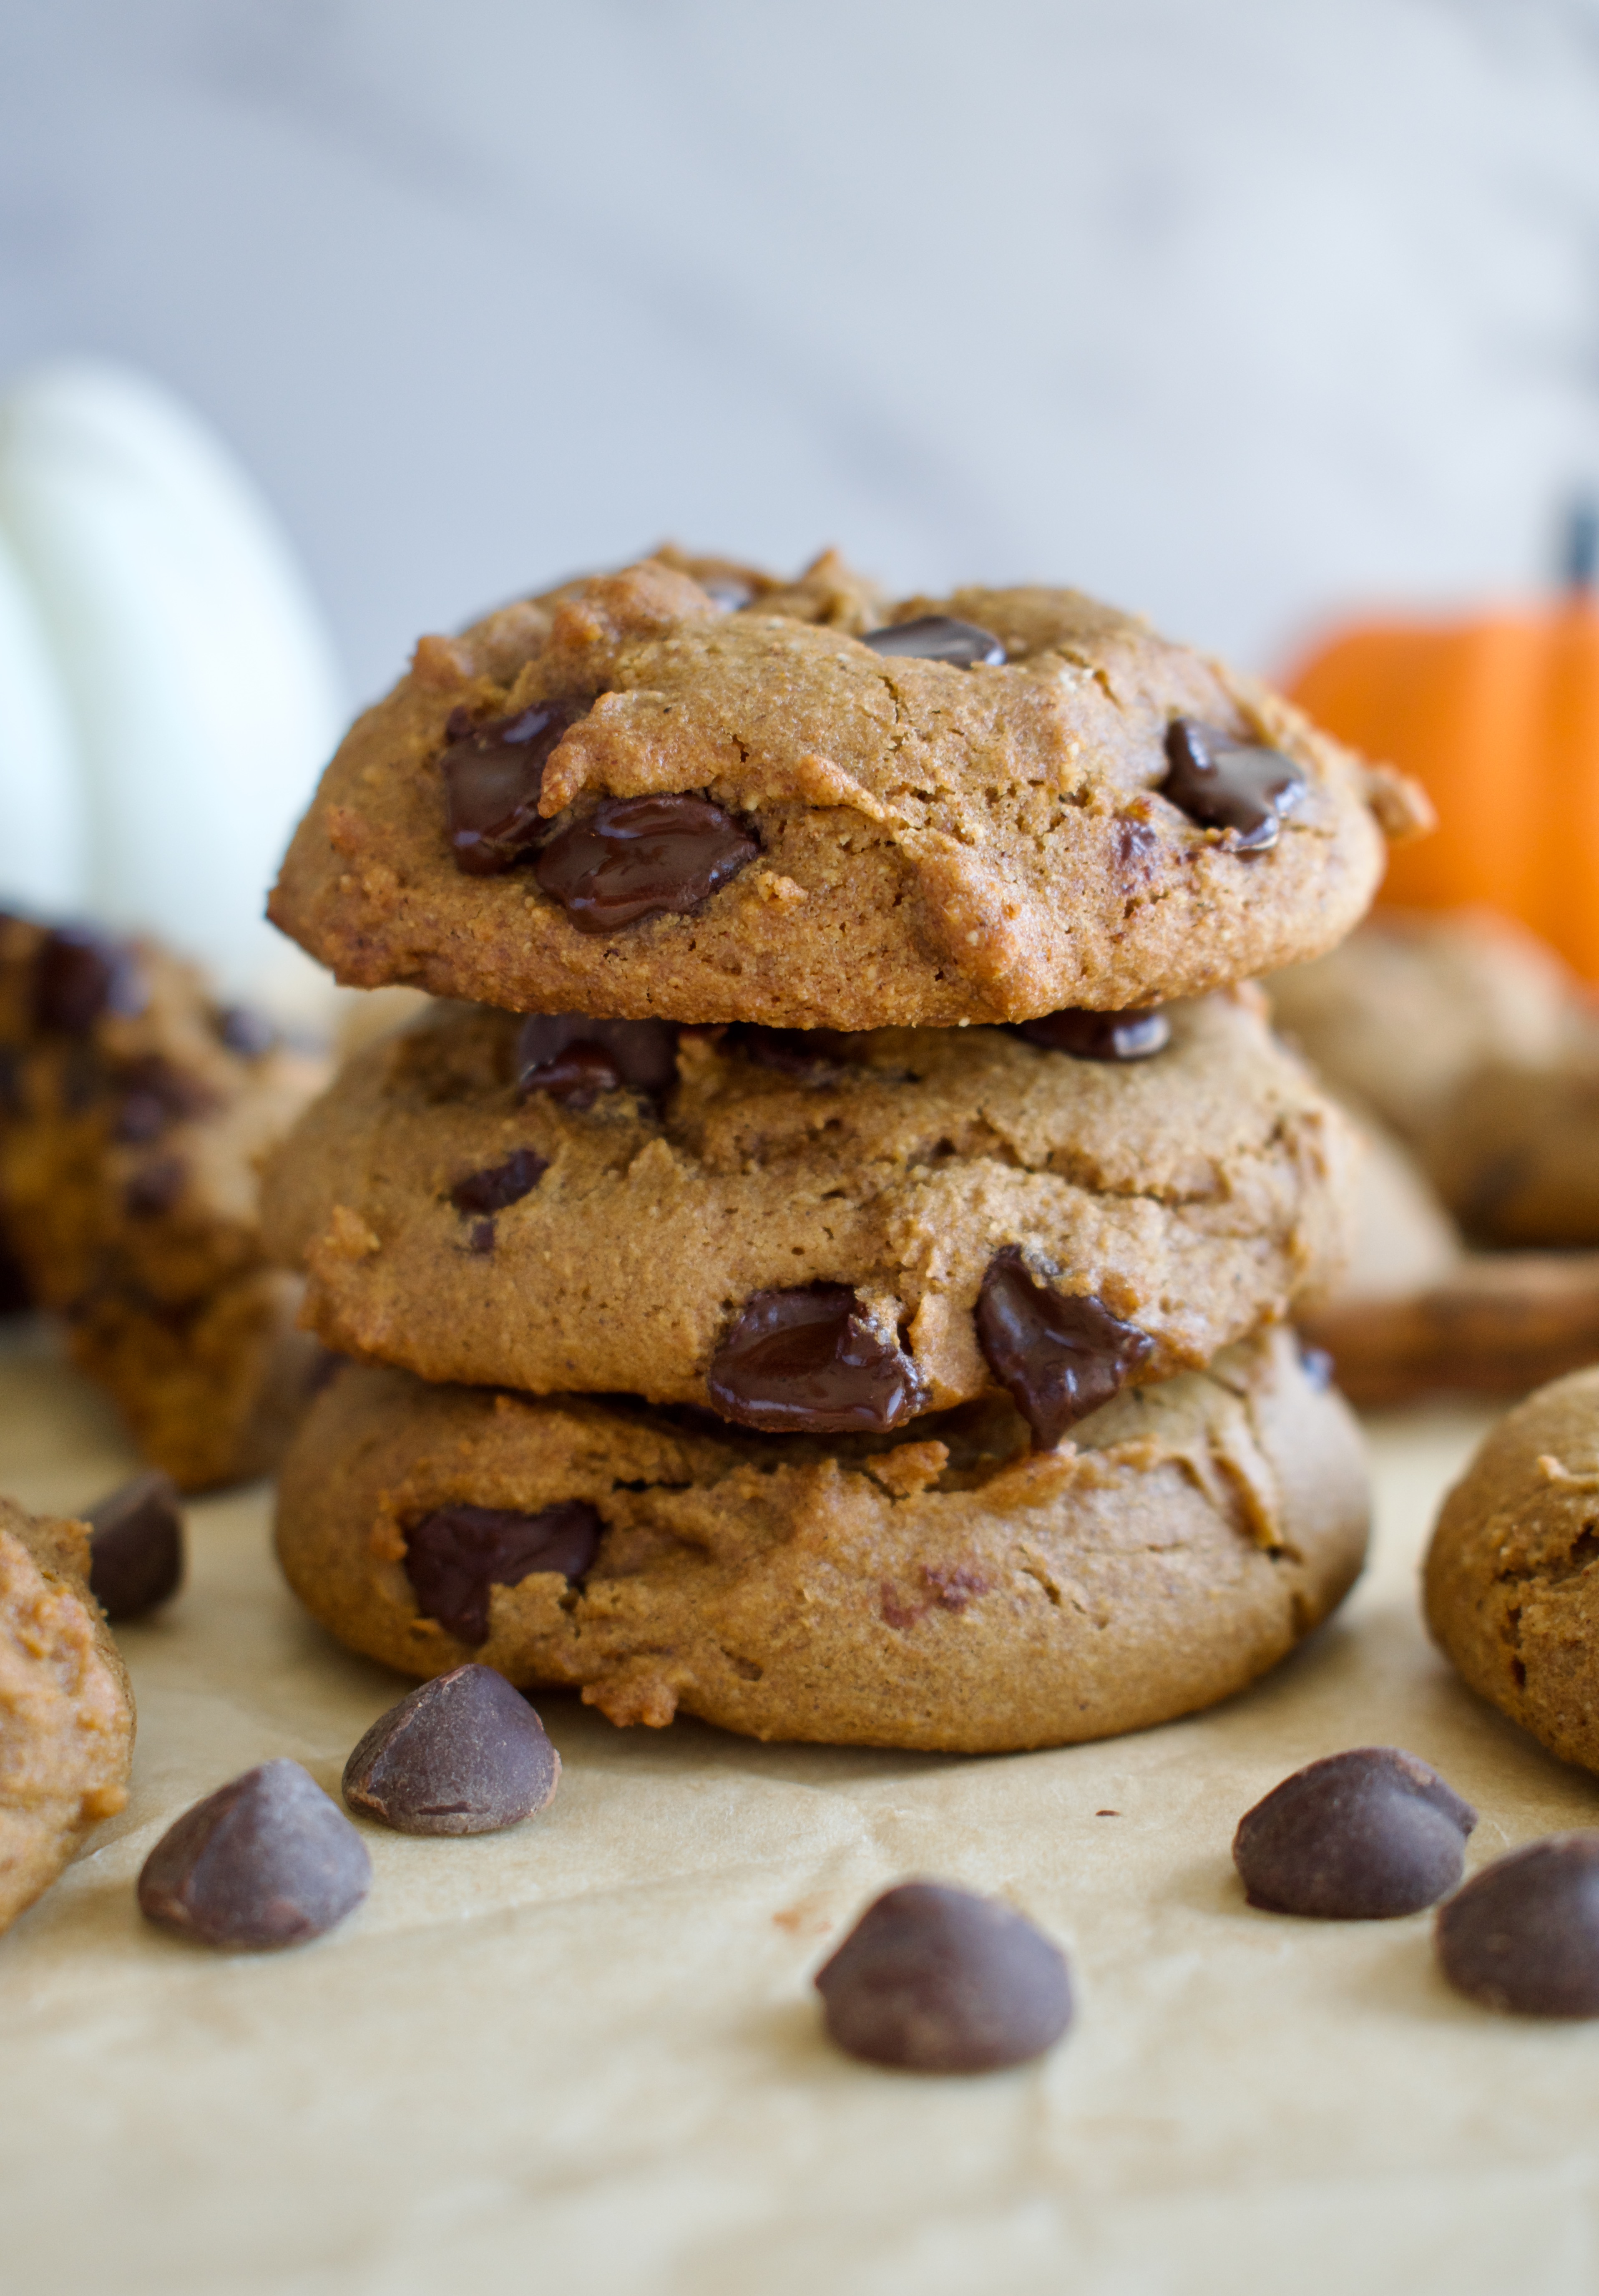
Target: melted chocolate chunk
1357	1837
1060	1353
464	1754
491	1190
575	1059
636	857
157	1093
1224	784
1523	1934
810	1053
1100	1036
493	775
245	1031
454	1555
265	1861
78	975
939	637
807	1362
135	1546
940	1980
156	1189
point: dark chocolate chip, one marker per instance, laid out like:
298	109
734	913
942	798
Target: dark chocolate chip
1224	784
493	775
464	1754
156	1189
636	857
455	1554
1060	1353
939	637
575	1059
499	1184
78	975
1357	1837
810	1053
1523	1934
481	1243
1138	842
807	1362
940	1980
245	1031
322	1371
1100	1036
156	1093
135	1546
268	1860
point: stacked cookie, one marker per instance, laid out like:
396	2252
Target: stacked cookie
831	1275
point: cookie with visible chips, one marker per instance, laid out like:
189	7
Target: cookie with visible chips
689	790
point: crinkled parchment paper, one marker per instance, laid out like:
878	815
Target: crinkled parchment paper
585	2055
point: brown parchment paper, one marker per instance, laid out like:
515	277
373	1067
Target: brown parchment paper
585	2055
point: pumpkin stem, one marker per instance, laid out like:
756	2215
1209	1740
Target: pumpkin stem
1582	546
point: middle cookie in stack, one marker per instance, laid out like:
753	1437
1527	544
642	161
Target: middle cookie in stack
918	1386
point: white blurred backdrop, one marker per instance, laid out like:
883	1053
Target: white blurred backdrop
1235	310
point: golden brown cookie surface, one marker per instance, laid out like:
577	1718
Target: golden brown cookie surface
924	841
950	1590
1194	1192
66	1710
1512	1574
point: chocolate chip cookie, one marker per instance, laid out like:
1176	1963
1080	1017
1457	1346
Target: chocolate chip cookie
810	1230
950	1589
66	1709
689	791
1511	1585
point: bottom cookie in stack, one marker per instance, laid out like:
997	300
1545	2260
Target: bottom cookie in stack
944	1588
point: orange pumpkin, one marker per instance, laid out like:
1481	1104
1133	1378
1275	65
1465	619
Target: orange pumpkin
1499	717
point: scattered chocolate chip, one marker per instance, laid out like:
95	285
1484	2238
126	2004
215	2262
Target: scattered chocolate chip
266	1860
940	1980
807	1362
156	1189
245	1031
491	1190
1060	1353
810	1053
1224	784
1099	1036
1358	1837
1523	1934
135	1546
78	975
635	856
939	637
455	1554
481	1243
493	775
575	1059
464	1754
156	1093
1316	1365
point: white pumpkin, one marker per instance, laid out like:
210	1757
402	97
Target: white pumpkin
168	692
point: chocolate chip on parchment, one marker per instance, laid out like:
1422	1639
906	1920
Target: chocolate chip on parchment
1523	1934
463	1754
154	1189
807	1362
78	975
939	637
1134	1036
1060	1353
456	1553
574	1058
1222	782
1361	1836
807	1052
493	775
266	1860
637	857
135	1546
937	1979
499	1184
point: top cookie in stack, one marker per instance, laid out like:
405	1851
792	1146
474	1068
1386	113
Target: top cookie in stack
844	1306
689	791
